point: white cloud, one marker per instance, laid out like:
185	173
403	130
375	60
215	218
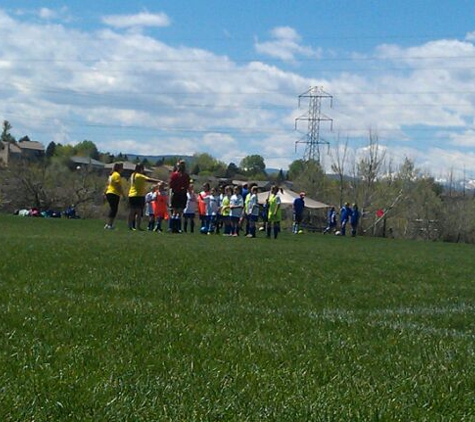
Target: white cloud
465	139
286	33
470	36
133	93
46	13
143	19
285	45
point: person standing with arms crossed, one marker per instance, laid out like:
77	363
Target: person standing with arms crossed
298	207
179	183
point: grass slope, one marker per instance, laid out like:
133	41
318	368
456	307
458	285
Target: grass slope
121	326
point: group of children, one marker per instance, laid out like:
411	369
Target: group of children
230	210
347	215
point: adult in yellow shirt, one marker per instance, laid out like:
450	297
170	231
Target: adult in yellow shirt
113	193
137	192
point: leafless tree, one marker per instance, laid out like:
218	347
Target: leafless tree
338	166
369	167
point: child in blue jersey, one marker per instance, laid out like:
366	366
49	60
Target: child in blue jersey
331	221
345	215
236	205
354	219
298	207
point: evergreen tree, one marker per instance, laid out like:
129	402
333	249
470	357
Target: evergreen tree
6	136
232	170
50	149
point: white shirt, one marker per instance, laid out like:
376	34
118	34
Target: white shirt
211	204
149	198
253	208
191	203
236	204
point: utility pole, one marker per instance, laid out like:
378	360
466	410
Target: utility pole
314	116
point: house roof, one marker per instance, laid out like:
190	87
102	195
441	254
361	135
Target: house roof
128	166
37	146
261	184
13	147
76	159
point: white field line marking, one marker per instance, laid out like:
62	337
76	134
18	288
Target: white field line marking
389	318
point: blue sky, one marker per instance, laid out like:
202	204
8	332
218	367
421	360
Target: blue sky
223	77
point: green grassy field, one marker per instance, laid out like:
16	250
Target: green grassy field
135	326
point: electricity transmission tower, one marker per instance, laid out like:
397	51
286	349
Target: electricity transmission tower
314	117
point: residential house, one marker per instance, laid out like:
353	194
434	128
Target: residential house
26	150
9	151
78	162
129	168
31	150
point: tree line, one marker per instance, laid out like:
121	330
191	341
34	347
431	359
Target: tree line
396	200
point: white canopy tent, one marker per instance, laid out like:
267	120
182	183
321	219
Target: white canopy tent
287	199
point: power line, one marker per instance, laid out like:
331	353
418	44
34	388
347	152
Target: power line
336	94
235	60
251	38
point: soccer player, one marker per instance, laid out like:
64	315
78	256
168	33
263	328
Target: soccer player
190	209
211	211
253	211
354	219
149	200
236	204
202	206
225	210
298	207
331	221
275	212
160	206
345	215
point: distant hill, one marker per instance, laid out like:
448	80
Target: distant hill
271	171
187	158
